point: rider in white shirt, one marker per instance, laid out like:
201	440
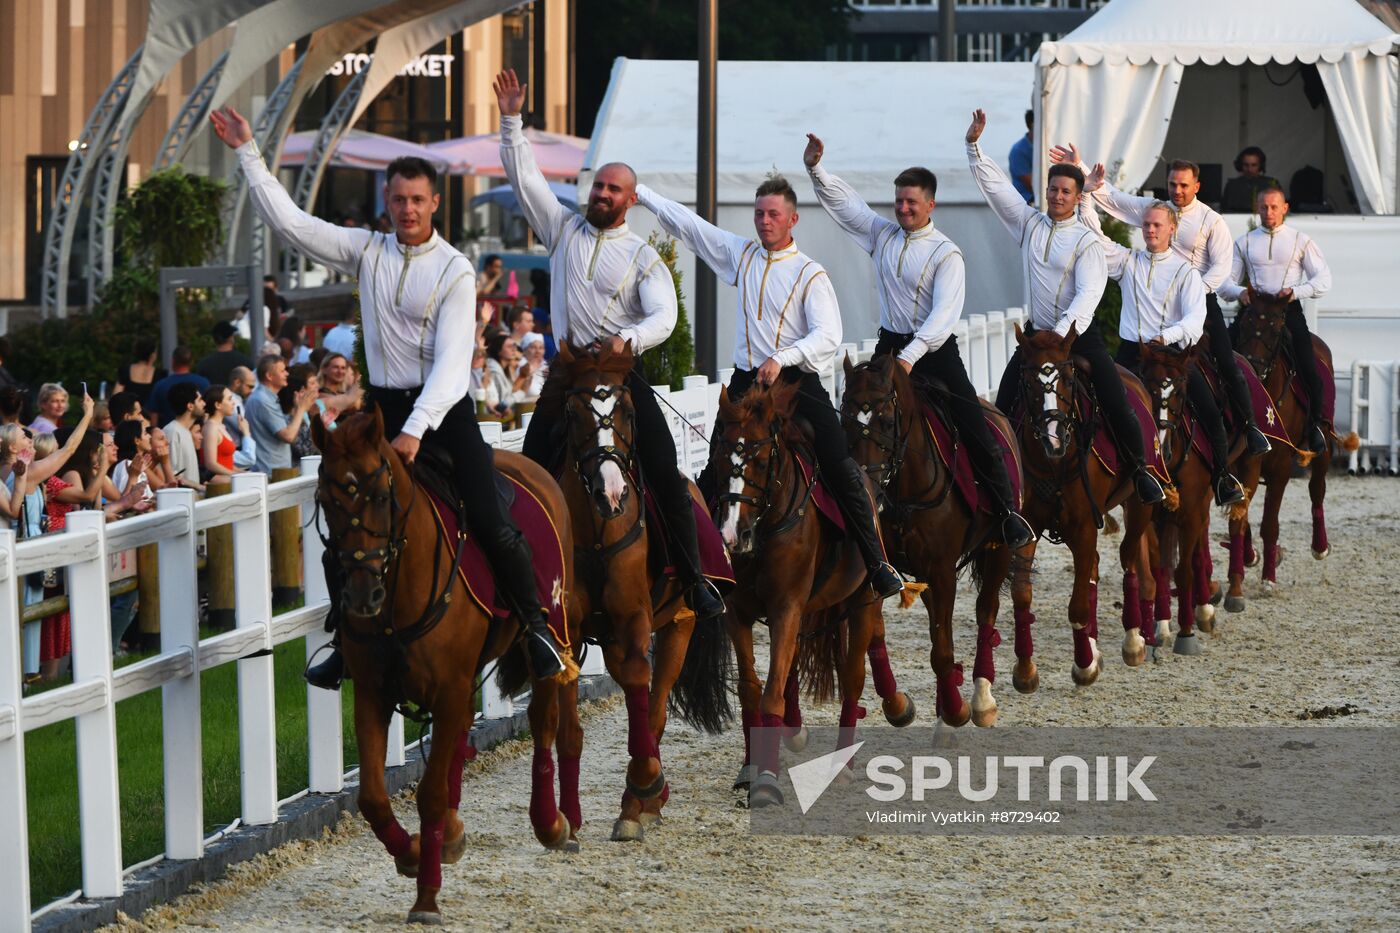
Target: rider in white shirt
1276	259
788	327
1164	302
920	281
1203	240
1065	274
607	285
418	310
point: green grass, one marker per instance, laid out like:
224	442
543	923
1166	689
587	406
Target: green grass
51	770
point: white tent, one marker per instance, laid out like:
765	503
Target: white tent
876	119
1112	87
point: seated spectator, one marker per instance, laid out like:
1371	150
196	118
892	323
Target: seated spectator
216	445
1241	191
180	362
11	405
341	338
53	402
217	365
498	381
488	277
140	375
533	368
272	430
184	453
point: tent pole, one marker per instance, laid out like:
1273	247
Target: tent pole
705	201
947	31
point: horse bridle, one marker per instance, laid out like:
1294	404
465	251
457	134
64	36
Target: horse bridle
588	464
1173	389
1051	376
395	539
1250	330
892	443
747	452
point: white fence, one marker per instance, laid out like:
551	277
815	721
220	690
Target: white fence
1375	417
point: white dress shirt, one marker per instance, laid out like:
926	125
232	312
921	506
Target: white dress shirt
1272	260
919	277
1202	237
1062	262
1163	296
417	303
602	283
787	307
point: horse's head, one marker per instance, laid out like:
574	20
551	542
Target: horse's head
1164	371
872	417
748	452
365	494
1047	386
1260	331
601	421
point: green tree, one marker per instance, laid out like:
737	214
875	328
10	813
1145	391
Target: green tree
1110	308
171	219
671	362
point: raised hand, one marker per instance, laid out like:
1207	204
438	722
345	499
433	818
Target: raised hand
813	153
1094	180
230	126
510	93
979	123
1067	154
88	404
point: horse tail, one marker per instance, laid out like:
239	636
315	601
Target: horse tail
820	652
701	693
512	673
1110	525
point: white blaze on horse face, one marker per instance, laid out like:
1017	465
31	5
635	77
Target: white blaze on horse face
730	529
1162	414
864	417
613	483
1051	403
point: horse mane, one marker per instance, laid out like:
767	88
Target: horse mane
600	359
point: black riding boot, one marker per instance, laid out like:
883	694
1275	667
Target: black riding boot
1015	531
700	594
849	486
329	673
511	560
1305	362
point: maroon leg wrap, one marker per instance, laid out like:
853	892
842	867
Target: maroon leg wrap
984	665
543	812
1025	647
1083	652
1236	556
792	713
1319	525
1149	625
1093	626
1132	602
396	840
851	713
1271	553
767	751
640	742
949	687
1163	607
430	855
880	670
1200	562
568	790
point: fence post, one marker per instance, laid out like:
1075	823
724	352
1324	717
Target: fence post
99	806
324	725
182	731
394	754
1015	317
219	567
997	328
14	812
496	705
257	719
286	562
977	352
148	594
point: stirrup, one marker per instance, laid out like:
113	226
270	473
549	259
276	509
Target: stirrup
1016	532
1317	438
1256	441
541	651
1148	489
885	580
328	674
705	601
1228	490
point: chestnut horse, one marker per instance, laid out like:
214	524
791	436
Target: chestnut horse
1183	519
802	576
1069	493
934	529
412	632
1261	334
616	588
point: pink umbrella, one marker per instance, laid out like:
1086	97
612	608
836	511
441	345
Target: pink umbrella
559	156
359	149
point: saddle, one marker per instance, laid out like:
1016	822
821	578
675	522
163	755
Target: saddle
945	441
1265	413
822	496
433	473
714	563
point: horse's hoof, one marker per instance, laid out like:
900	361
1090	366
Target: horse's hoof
1322	554
764	791
1164	630
651	790
1205	617
1187	643
1024	677
407	865
1267	587
984	705
425	917
454	849
899	720
798	740
1084	676
562	839
649	819
845	776
1234	604
1217	593
956	718
745	777
1134	648
627	831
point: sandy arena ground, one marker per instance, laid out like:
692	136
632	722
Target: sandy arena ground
1327	638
